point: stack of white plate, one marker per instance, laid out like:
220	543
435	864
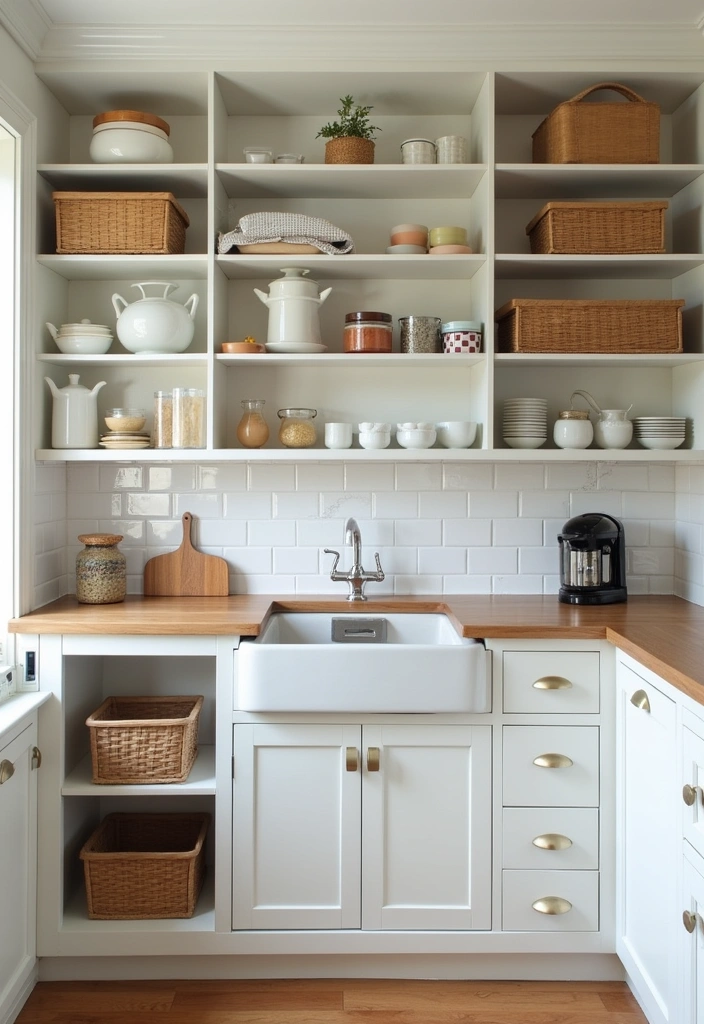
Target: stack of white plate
525	422
125	439
661	433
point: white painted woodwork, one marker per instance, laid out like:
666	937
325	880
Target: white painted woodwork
647	818
296	816
526	784
521	825
693	775
426	828
18	862
521	889
523	669
691	944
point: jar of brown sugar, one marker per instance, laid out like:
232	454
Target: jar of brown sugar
368	331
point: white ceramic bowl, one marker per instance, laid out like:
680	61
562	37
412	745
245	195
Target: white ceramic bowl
415	435
375	438
456	433
406	250
131	143
83	344
525	442
661	444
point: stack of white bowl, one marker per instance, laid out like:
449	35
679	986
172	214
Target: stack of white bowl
525	422
83	339
661	433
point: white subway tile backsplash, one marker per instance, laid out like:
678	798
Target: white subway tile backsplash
473	584
571	476
369	476
132	530
515	476
442	560
493	504
661	478
327	533
262	584
248	560
661	534
114	478
343	504
537	504
172	478
221	477
494	561
90	505
417	532
469	532
610	502
442	504
206	506
238	505
272	477
82	476
650	561
395	504
294	561
521	532
220	533
320	476
617	476
272	532
469	477
696	479
522	584
296	505
537	561
418	585
167	533
397	560
637	532
648	505
151	505
418	476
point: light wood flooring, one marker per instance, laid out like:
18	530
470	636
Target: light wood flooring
329	1001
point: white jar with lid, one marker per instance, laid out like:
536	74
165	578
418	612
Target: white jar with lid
573	429
418	151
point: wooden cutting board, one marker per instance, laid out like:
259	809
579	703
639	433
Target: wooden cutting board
186	572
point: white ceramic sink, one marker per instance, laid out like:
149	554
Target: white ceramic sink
423	665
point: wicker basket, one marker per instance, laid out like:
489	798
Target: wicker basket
600	133
598	228
590	325
139	866
119	222
349	149
135	740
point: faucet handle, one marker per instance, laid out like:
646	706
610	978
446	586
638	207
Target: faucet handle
379	570
329	551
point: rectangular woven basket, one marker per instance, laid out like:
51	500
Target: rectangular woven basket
590	325
135	740
576	132
577	227
119	222
139	866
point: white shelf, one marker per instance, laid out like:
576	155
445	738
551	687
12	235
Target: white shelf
200	782
351	360
128	359
599	181
553	267
351	181
76	920
356	266
186	181
596	359
128	268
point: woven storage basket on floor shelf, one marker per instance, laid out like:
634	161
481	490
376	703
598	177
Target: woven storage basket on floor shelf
135	740
139	866
590	325
600	133
582	228
119	222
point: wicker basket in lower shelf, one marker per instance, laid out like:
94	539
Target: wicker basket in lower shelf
605	326
140	866
598	228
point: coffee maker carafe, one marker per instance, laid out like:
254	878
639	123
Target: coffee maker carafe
592	560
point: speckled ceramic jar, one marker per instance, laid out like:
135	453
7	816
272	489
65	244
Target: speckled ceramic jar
101	570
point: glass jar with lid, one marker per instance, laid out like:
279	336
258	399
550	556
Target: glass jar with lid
101	569
297	429
188	418
252	429
368	331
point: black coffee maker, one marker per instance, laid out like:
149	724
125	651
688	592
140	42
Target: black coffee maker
592	560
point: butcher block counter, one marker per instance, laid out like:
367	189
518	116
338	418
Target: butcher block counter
666	634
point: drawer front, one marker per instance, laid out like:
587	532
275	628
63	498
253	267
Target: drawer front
579	890
549	838
551	682
527	784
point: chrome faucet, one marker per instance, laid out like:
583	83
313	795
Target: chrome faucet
357	575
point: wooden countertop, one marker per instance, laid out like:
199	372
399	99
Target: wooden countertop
664	633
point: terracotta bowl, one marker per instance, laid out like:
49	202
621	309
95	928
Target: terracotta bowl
242	347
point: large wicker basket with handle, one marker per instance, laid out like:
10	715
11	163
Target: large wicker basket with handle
576	132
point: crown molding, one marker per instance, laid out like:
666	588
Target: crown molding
481	45
26	23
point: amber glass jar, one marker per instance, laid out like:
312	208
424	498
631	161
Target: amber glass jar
368	331
252	429
101	570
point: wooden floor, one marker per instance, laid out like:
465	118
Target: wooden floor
331	1002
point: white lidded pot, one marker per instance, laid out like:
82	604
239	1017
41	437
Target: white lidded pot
293	304
152	325
74	421
130	136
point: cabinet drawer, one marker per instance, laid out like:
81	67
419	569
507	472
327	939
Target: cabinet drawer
527	784
551	682
521	889
568	837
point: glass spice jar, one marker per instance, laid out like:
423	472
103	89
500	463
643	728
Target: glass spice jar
367	331
297	429
101	569
252	429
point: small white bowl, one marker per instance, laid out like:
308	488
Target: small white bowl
375	438
258	155
456	433
416	435
525	442
84	344
121	142
661	444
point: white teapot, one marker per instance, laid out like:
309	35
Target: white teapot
293	305
74	421
155	324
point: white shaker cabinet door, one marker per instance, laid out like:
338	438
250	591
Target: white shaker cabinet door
296	813
646	843
692	938
426	827
692	806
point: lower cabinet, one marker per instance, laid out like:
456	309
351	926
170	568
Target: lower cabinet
362	826
691	945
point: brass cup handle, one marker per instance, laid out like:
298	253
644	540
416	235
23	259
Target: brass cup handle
689	795
689	920
373	758
351	759
7	770
552	905
552	683
640	700
553	761
552	841
36	758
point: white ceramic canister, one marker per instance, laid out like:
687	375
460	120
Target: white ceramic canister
573	429
338	435
418	151
130	136
74	421
293	303
452	149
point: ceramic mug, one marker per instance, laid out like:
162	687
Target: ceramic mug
338	435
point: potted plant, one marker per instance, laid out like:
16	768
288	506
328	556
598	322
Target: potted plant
350	140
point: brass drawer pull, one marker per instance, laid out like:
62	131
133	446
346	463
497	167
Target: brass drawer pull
552	683
552	905
7	770
351	759
552	841
553	761
372	759
640	700
689	795
36	758
689	920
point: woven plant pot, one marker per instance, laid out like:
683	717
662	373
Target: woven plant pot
349	150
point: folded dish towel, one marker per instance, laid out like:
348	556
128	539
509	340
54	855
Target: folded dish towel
286	227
